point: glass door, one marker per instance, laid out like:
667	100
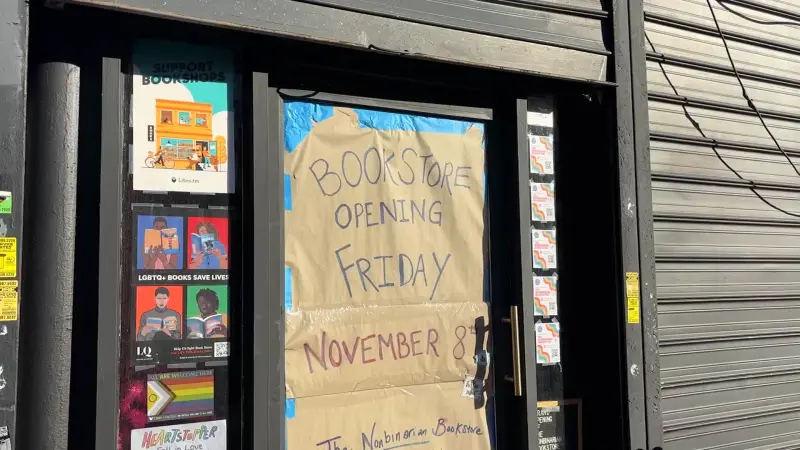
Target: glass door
386	305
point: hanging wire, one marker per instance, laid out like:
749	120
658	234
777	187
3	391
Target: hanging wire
754	20
744	90
696	125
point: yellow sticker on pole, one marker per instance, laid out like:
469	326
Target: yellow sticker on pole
632	294
9	300
8	257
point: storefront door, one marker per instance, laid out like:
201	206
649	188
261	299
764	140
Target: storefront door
413	246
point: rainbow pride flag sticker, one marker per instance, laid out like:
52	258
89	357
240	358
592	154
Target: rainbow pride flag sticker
180	395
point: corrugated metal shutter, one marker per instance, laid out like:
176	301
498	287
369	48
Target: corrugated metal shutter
556	38
574	24
728	265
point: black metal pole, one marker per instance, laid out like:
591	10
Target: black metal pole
46	340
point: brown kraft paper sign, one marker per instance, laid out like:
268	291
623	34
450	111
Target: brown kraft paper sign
357	349
427	417
384	217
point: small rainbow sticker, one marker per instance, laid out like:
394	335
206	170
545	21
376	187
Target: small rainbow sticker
545	140
536	166
550	189
550	235
538	259
542	356
550	282
539	308
538	214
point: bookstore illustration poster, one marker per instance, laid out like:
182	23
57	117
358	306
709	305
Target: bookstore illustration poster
180	286
182	118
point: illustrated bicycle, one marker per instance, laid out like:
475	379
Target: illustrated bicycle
167	163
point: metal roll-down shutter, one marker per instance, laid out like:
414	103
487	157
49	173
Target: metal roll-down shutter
728	264
556	38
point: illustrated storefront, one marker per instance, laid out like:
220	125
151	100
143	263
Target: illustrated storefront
308	246
179	143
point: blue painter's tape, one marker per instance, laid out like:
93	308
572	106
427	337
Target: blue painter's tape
288	288
290	408
299	118
381	120
287	192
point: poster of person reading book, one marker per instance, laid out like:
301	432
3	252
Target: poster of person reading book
208	243
159	309
207	309
159	242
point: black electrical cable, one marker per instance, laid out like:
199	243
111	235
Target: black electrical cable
754	20
699	129
744	90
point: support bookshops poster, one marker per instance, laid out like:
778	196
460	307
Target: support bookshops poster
182	118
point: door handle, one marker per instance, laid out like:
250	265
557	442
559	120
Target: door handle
516	378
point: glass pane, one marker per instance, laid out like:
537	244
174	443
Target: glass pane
180	309
386	311
558	418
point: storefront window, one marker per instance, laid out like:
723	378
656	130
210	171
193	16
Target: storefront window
386	308
179	311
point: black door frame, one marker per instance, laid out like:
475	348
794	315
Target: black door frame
513	427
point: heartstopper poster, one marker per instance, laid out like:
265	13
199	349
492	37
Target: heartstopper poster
182	118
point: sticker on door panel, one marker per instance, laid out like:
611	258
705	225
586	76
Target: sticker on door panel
544	249
9	304
8	257
543	202
545	296
541	153
632	297
5	202
180	395
548	343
